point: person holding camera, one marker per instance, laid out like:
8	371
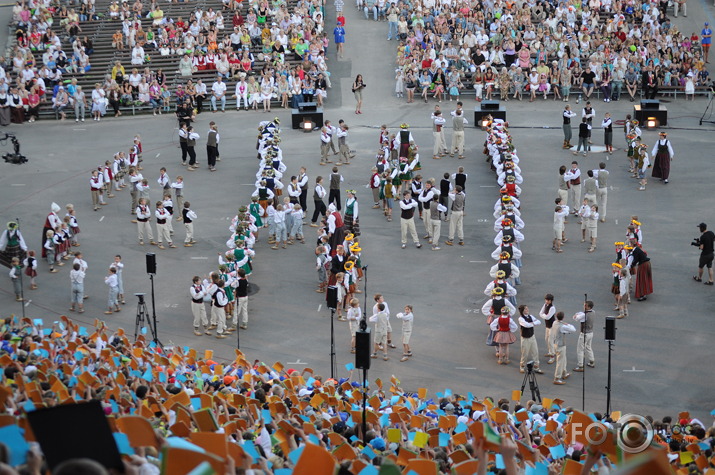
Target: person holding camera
358	86
705	243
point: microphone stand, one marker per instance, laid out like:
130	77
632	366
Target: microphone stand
333	363
22	285
364	291
583	373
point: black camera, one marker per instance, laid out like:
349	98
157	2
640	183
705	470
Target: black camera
696	242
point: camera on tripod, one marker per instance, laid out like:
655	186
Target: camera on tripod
696	242
14	157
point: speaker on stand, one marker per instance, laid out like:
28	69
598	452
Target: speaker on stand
150	263
362	361
151	270
610	337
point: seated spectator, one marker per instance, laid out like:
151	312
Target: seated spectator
137	55
186	66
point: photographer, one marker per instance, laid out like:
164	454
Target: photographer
705	243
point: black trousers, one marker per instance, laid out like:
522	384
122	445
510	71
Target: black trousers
199	103
192	155
651	91
184	150
319	209
334	195
304	200
212	153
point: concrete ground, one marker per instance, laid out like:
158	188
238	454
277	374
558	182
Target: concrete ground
661	356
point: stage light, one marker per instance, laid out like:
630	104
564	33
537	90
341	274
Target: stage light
307	125
485	124
651	123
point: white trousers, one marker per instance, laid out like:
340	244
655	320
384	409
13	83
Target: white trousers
199	311
602	195
408	225
584	348
458	142
529	352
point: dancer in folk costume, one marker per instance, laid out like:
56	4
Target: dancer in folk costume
355	252
336	228
642	165
663	153
404	170
492	309
615	284
639	265
413	156
73	224
30	264
12	244
256	211
351	218
633	138
503	327
51	222
403	139
263	194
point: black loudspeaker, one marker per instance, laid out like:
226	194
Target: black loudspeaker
150	263
308	107
332	297
490	105
362	349
610	329
650	104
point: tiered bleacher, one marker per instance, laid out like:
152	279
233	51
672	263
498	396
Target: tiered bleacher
176	410
125	48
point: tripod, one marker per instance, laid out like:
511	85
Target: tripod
530	377
143	318
710	103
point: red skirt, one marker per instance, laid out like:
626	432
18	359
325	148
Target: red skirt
644	280
504	338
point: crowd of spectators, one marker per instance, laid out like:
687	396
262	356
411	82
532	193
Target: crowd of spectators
616	49
270	53
274	413
274	51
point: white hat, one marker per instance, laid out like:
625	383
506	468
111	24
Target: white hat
332	208
55	207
